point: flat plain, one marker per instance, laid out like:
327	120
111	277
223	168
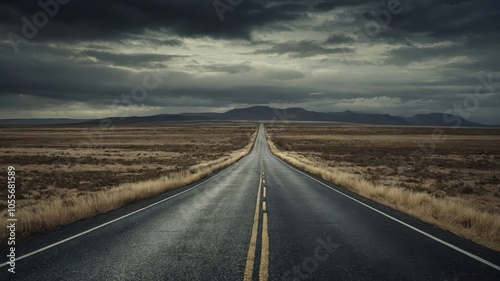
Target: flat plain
71	165
454	168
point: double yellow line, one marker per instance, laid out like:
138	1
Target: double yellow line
264	253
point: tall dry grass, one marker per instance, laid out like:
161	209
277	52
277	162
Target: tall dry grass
51	214
449	213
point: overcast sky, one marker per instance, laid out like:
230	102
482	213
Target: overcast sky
84	59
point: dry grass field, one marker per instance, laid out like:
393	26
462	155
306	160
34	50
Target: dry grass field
445	176
67	173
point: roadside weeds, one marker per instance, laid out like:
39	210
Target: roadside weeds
51	214
449	213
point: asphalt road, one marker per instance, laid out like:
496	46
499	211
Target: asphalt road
259	219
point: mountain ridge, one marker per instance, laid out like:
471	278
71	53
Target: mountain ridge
266	113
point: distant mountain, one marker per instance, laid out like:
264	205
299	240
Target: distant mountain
266	113
155	119
300	114
367	118
250	113
41	121
441	119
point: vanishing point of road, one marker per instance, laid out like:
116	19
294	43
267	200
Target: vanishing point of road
259	219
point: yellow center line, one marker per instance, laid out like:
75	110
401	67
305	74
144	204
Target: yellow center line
264	196
264	256
253	239
263	206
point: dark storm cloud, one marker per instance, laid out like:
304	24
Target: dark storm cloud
167	42
449	18
339	39
48	73
228	68
333	4
108	20
431	51
462	35
302	49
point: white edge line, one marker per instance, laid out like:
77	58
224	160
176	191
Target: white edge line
122	217
399	221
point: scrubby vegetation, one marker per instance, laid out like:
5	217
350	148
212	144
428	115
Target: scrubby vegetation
448	177
63	176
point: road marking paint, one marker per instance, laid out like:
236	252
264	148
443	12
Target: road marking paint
264	193
120	218
264	206
401	222
264	256
253	238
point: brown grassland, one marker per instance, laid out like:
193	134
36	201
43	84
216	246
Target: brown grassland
64	174
445	176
